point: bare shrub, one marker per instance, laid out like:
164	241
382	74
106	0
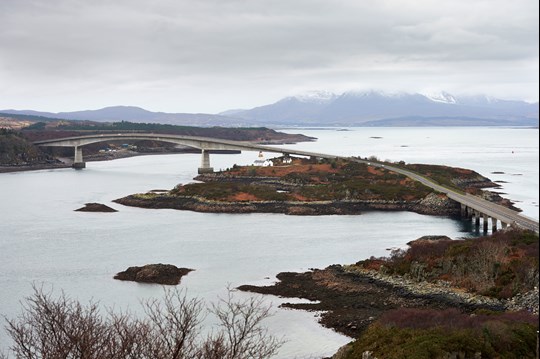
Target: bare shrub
171	328
485	262
242	335
423	250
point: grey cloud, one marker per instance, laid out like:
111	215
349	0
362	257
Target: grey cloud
141	43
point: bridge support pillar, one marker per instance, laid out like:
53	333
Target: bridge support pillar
205	163
469	211
493	225
486	218
463	211
503	225
477	219
78	162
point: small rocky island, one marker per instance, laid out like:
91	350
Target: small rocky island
301	186
95	207
167	274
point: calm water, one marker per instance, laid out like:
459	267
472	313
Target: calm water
42	240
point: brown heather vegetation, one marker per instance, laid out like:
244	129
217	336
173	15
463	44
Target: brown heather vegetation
460	178
305	180
324	180
434	334
501	265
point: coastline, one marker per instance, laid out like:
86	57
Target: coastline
28	168
350	301
431	205
353	299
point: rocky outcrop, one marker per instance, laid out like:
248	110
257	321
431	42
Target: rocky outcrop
17	151
429	239
413	284
437	204
497	198
524	301
154	273
96	207
474	182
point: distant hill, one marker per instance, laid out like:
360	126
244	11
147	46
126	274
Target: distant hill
378	109
327	109
135	114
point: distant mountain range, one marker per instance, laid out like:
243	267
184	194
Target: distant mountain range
134	114
379	109
327	109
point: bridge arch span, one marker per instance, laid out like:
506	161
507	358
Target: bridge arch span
205	144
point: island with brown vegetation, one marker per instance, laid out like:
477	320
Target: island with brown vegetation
302	186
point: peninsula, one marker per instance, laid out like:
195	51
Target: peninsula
439	298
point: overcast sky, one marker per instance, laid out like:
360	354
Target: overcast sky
213	55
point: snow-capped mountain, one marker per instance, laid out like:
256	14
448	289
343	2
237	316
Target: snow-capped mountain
443	97
378	108
318	97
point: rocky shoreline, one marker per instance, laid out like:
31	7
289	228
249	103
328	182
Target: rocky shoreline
527	301
351	299
33	167
432	205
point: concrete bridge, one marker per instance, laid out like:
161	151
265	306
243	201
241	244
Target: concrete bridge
471	206
205	144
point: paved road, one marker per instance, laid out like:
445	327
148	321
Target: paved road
491	209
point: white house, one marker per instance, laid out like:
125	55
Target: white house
287	159
261	162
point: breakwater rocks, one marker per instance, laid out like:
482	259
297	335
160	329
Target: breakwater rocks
432	204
